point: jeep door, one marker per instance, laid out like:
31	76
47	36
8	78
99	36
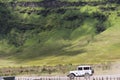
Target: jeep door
80	71
87	70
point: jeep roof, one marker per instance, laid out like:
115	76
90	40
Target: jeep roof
84	66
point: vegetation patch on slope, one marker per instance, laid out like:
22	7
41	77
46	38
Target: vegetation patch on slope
74	34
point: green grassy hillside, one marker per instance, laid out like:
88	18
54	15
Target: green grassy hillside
36	34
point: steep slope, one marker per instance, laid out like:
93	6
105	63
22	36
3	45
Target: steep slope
62	33
103	48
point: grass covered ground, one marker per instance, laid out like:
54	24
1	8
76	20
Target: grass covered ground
62	35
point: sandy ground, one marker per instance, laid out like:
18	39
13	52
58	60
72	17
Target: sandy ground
112	68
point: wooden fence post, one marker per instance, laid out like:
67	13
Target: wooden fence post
102	78
110	78
117	78
96	78
93	78
106	78
75	78
114	78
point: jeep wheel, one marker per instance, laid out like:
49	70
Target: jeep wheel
87	76
71	76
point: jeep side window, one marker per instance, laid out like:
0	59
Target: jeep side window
86	68
79	68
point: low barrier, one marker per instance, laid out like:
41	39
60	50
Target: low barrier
97	77
42	78
109	77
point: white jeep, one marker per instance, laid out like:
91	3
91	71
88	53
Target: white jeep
85	71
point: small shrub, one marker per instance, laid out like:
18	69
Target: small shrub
99	16
100	28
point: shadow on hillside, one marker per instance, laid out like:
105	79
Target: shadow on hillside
73	52
45	52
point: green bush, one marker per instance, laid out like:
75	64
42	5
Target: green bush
16	38
99	16
100	27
